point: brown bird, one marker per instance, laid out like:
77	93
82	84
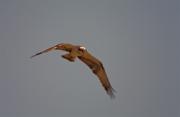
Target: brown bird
77	51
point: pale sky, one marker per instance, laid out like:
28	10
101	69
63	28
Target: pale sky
137	41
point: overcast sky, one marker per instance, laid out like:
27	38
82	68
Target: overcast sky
137	41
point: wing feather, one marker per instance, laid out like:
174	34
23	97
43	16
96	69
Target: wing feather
105	82
45	51
97	67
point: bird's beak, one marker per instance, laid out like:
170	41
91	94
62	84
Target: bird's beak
45	51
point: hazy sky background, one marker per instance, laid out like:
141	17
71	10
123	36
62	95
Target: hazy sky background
137	40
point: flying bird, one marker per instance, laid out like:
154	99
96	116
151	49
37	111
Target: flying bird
80	52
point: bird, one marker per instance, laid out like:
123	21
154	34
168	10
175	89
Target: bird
80	52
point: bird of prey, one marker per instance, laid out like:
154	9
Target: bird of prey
78	51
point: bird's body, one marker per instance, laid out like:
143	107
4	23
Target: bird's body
77	51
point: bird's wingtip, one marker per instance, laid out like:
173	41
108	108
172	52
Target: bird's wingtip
111	92
35	55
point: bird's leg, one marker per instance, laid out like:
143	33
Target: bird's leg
69	57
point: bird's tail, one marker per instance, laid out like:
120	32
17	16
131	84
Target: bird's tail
44	51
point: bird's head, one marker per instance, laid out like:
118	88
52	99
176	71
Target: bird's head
81	50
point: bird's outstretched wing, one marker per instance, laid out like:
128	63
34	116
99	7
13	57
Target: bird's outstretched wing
45	51
97	68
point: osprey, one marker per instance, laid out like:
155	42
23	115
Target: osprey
77	51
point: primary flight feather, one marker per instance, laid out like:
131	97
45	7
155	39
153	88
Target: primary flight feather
77	51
